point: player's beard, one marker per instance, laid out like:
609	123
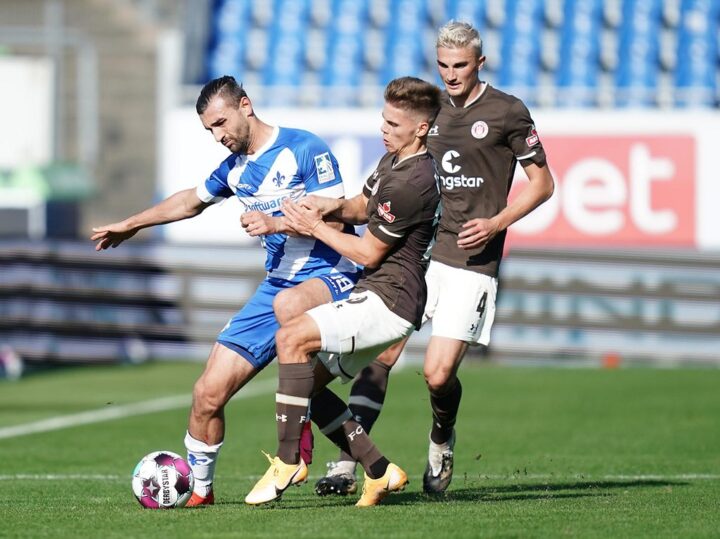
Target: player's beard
241	141
240	145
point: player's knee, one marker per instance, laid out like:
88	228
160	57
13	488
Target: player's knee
286	341
438	380
207	400
291	342
390	356
285	306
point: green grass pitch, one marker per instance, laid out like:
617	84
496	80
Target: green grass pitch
541	453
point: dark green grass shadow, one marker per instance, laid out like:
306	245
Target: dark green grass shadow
531	491
491	494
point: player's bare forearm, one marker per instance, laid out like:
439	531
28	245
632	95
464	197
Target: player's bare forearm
539	189
352	210
367	250
478	232
282	225
181	205
347	210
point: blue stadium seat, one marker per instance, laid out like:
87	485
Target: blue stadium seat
697	53
345	51
579	64
639	53
227	46
472	11
636	77
520	47
405	53
287	44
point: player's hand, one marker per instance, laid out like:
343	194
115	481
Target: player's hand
302	218
111	235
476	233
256	223
325	205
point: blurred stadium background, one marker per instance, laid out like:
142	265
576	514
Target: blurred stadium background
98	122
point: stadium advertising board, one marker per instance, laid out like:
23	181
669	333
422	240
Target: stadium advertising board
628	179
616	190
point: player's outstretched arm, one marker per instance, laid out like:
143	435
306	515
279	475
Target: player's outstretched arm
367	250
477	232
181	205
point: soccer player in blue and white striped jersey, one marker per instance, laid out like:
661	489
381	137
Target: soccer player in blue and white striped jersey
267	166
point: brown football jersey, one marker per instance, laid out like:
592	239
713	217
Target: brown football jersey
476	149
402	210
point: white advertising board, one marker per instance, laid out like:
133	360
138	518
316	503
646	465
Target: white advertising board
26	109
624	178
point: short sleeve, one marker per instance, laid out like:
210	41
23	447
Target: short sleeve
369	183
522	136
398	209
375	176
215	188
319	169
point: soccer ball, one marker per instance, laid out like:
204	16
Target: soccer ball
162	480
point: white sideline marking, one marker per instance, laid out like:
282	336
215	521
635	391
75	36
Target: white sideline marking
585	477
118	412
59	477
610	477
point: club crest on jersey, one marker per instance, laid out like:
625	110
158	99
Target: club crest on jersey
533	139
278	179
479	129
324	167
384	211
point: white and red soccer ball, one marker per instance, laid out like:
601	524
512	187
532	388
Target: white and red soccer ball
162	480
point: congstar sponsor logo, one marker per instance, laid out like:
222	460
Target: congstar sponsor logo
449	163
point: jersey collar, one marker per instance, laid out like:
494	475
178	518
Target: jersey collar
397	163
484	87
265	147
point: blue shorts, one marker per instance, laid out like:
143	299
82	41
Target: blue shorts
251	332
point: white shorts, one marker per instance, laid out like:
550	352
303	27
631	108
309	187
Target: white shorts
461	303
355	331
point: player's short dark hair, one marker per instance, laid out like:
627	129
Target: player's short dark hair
226	87
414	95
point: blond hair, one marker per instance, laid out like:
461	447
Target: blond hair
459	35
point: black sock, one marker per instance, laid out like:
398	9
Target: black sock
367	397
444	410
334	420
378	468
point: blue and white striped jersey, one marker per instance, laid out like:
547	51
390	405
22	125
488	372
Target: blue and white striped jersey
291	164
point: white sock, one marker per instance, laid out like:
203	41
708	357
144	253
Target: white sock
202	459
435	453
343	467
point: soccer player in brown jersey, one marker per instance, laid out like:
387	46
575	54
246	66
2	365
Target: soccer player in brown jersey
478	138
400	204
